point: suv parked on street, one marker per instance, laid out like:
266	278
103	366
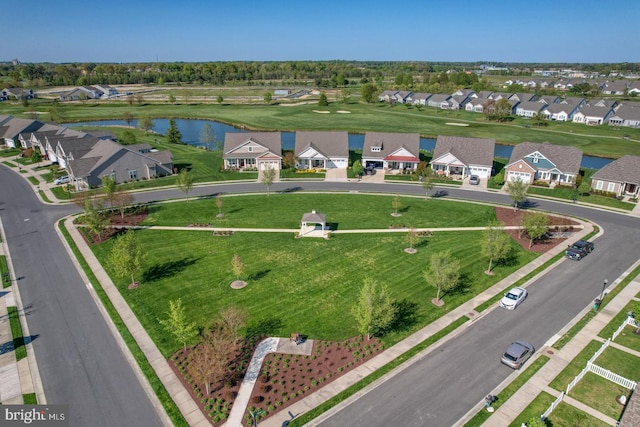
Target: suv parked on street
579	250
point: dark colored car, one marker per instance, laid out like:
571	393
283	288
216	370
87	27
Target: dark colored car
370	169
517	353
579	250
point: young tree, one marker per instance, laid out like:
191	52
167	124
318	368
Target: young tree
374	310
36	157
536	225
128	138
204	368
220	99
495	244
268	97
443	272
396	204
428	178
127	256
185	182
369	92
108	189
127	116
535	421
289	160
357	167
219	204
502	110
232	319
268	176
345	94
146	123
517	190
322	101
207	136
173	134
237	266
177	323
122	199
94	218
412	237
172	98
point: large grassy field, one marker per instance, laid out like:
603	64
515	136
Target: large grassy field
605	141
306	285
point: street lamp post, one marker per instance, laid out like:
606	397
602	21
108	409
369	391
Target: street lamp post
254	416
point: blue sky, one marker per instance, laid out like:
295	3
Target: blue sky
279	30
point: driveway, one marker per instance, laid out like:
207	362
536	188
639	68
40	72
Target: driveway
336	174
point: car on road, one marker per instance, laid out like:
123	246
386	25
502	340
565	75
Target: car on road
579	250
474	180
517	353
62	180
513	298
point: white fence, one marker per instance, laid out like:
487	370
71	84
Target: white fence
605	373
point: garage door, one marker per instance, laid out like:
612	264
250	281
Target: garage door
522	176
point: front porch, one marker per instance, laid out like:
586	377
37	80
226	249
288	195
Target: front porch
308	164
240	164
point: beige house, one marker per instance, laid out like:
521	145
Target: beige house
554	164
252	151
620	177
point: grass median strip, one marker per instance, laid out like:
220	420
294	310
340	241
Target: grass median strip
16	332
4	272
157	386
317	411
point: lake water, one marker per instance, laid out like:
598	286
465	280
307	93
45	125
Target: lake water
191	128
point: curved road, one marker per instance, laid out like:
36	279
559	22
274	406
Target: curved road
81	364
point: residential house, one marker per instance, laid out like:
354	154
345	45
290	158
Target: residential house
107	91
524	97
593	116
81	93
11	127
16	93
418	98
401	96
620	177
549	99
499	95
388	96
252	150
38	140
322	150
478	105
625	115
467	93
618	87
634	88
483	94
607	103
560	112
553	164
108	158
393	152
460	156
529	109
439	100
575	100
457	102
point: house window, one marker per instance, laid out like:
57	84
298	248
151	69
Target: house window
599	185
610	187
250	149
133	174
376	149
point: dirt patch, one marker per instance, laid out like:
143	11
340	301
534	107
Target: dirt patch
511	217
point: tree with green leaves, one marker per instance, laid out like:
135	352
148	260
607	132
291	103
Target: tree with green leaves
428	177
539	119
502	110
173	134
36	157
584	187
127	256
412	238
517	190
289	160
374	310
496	244
536	421
396	203
185	182
127	116
220	99
172	99
322	101
207	136
443	273
237	266
345	94
535	224
109	189
357	167
268	176
177	323
122	199
369	92
94	218
268	97
128	138
146	123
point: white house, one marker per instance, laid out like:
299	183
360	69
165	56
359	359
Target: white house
322	150
393	152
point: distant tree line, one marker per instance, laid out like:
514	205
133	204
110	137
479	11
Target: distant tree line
328	74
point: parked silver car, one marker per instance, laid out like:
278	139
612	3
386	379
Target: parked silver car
62	180
513	298
517	353
474	180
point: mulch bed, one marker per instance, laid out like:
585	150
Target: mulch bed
117	224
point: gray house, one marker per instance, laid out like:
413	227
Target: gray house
460	157
322	150
625	115
252	150
393	152
620	177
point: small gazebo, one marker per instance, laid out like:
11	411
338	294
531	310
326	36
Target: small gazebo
309	222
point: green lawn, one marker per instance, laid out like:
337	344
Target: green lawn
577	364
563	415
4	270
569	194
16	333
298	284
600	394
344	212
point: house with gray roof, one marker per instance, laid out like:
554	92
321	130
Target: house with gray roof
625	115
458	102
40	139
574	100
439	100
524	97
16	93
252	151
459	157
618	87
387	96
478	105
483	94
549	99
560	112
86	166
321	150
12	127
393	152
418	98
620	177
553	164
593	116
529	109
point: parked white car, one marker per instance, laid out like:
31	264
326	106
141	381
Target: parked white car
62	180
513	298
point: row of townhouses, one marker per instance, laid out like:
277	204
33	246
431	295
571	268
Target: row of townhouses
527	105
605	87
17	94
454	157
86	157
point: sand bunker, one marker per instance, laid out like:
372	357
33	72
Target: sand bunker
321	112
457	124
343	112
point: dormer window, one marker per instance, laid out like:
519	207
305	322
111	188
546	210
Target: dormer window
376	148
250	149
535	160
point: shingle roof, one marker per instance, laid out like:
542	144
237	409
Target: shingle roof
567	159
330	143
627	112
594	111
390	142
15	126
272	141
532	106
624	169
471	151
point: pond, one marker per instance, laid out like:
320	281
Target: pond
191	129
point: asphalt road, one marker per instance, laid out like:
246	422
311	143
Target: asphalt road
79	360
81	364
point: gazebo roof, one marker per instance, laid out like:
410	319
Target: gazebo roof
314	217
